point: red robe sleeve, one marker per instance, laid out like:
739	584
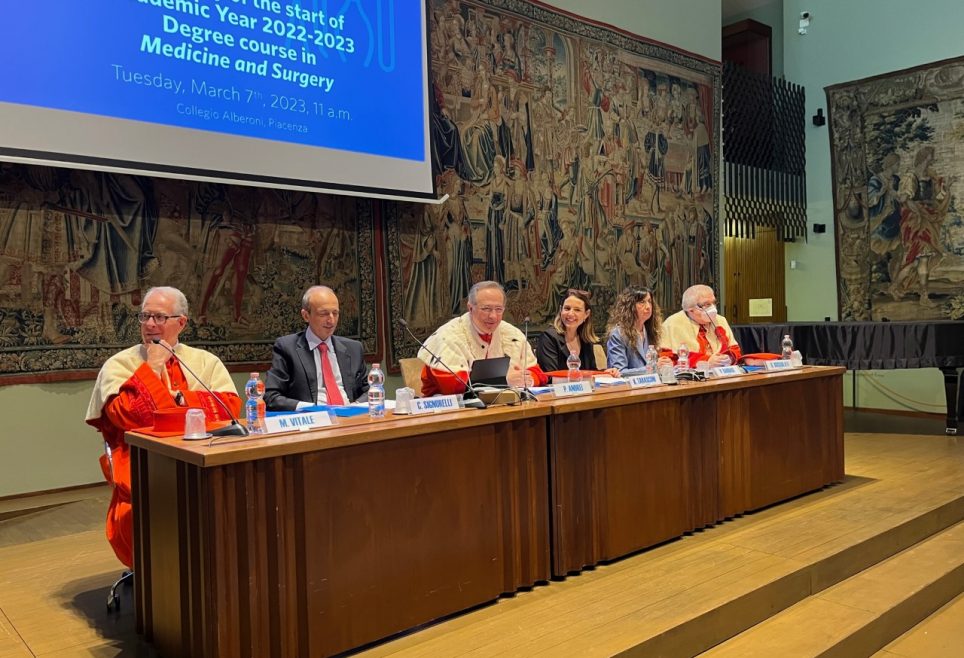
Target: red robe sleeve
539	377
441	381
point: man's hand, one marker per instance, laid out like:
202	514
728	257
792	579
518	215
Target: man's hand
517	378
158	356
719	360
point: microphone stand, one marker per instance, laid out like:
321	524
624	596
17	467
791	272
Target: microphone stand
470	398
235	428
526	393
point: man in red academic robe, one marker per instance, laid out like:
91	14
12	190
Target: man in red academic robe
478	334
706	334
148	376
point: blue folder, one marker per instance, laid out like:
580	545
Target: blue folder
341	412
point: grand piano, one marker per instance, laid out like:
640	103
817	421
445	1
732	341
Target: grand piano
872	346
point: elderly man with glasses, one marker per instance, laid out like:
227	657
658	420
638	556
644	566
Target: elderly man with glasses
135	382
478	334
706	334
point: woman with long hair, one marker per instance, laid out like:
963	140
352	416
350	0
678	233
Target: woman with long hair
571	331
635	321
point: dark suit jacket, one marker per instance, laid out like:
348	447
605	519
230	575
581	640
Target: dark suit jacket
552	352
293	378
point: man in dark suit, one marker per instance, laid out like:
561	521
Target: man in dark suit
314	366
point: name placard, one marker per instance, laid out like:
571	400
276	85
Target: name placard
571	388
725	371
289	422
645	381
778	364
434	405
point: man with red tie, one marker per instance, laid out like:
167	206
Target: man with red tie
315	366
478	334
135	382
705	334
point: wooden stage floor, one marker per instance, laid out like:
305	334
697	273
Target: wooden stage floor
56	567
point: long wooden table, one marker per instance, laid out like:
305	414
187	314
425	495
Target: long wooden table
632	469
311	544
315	543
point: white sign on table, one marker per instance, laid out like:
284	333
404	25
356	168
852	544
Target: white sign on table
300	422
778	364
571	388
645	381
434	405
725	371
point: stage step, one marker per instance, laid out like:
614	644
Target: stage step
864	612
937	636
691	595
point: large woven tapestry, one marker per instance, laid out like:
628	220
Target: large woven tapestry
574	156
897	143
79	248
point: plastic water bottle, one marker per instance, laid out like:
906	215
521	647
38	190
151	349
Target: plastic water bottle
254	405
573	363
376	392
652	356
684	357
787	347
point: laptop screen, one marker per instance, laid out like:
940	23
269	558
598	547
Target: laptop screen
490	372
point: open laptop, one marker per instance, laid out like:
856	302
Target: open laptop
490	372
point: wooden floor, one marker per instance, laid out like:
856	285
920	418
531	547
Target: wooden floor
56	567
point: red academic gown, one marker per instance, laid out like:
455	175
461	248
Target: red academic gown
133	407
442	381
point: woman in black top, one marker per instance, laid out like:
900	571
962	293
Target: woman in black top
571	331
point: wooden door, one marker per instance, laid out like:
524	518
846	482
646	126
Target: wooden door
754	271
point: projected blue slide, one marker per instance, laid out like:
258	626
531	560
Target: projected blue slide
345	74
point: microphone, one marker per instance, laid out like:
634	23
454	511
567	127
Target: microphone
235	428
473	400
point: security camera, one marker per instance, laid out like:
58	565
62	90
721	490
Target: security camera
805	15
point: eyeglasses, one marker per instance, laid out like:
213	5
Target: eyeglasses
705	306
159	318
488	310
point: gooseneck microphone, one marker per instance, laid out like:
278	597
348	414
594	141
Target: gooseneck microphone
470	398
235	428
527	394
